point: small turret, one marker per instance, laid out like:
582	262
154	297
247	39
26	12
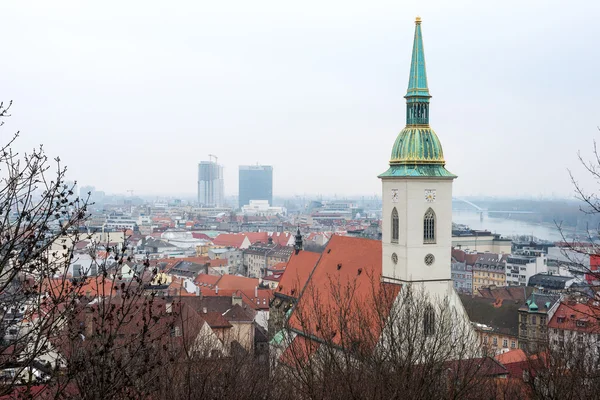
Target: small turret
298	244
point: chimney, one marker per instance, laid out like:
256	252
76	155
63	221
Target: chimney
255	291
197	290
217	289
204	310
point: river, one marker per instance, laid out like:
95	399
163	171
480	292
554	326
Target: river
504	226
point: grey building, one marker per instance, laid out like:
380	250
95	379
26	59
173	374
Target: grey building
210	184
256	183
462	277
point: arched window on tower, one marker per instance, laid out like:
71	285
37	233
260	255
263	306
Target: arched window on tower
429	227
395	226
429	321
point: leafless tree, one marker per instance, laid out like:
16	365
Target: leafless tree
385	342
40	217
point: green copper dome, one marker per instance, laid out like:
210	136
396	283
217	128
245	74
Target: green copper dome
417	145
417	151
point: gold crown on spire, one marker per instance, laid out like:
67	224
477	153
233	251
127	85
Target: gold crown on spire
418	20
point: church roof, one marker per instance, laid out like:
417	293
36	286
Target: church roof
417	151
417	82
346	280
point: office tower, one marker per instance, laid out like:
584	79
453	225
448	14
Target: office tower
210	184
256	183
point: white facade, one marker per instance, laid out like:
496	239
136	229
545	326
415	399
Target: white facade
519	268
411	205
262	208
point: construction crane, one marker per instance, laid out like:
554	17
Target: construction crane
213	156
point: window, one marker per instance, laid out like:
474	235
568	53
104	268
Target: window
429	321
485	339
429	227
175	331
395	226
495	341
513	344
533	319
504	342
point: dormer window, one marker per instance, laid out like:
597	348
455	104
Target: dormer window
581	324
560	320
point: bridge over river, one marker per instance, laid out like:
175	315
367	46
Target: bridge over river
481	210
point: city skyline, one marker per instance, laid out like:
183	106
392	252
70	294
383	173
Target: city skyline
279	86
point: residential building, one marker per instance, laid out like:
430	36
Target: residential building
533	320
551	283
210	184
235	260
496	320
462	276
495	341
577	325
255	183
120	221
235	240
489	270
237	328
523	265
260	256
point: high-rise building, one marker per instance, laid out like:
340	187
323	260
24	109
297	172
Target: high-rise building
210	184
256	183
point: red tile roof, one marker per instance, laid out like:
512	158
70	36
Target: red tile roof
221	262
228	285
215	320
576	317
346	279
200	235
255	237
229	240
297	272
512	356
205	280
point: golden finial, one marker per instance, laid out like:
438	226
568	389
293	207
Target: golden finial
418	20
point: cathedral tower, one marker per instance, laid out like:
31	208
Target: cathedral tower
417	193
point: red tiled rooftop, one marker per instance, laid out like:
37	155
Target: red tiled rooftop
572	314
229	240
296	273
512	356
352	268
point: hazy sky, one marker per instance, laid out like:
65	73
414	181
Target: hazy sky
133	94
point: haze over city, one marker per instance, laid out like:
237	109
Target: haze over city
314	89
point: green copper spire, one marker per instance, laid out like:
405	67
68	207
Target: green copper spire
417	82
417	151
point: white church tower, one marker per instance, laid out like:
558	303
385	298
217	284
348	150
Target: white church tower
417	194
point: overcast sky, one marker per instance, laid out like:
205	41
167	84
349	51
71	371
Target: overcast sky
133	94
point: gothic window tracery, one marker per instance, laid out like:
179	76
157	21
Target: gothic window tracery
429	321
395	226
429	226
